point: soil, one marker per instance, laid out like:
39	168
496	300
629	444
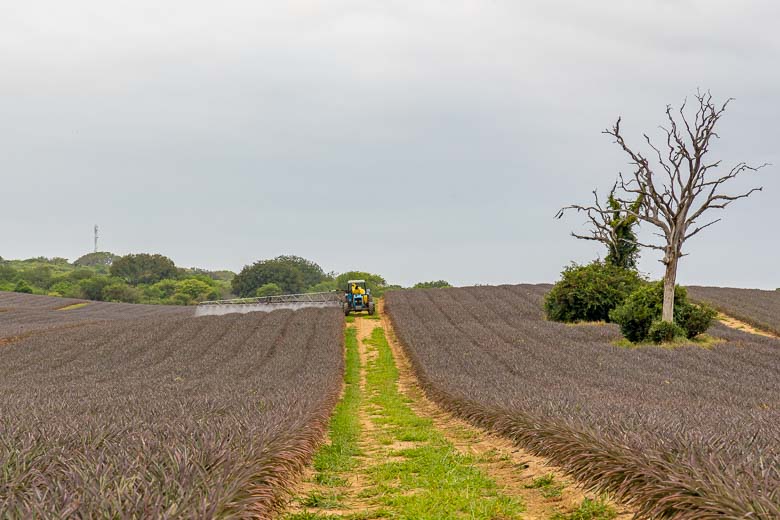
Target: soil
734	323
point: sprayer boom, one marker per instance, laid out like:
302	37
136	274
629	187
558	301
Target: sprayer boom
269	303
322	297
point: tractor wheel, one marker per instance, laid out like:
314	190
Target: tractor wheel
345	308
370	308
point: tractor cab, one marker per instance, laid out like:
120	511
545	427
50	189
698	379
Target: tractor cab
357	297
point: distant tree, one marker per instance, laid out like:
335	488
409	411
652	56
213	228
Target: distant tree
118	291
269	289
93	287
311	272
374	282
23	287
39	276
284	274
143	268
166	287
101	258
324	286
81	274
223	275
677	193
195	290
438	284
7	273
61	288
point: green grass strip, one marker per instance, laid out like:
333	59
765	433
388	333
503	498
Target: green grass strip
73	306
589	510
338	456
429	479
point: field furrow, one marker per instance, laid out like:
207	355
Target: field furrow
178	417
686	432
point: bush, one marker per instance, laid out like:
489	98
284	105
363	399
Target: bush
7	273
65	288
695	319
165	288
92	288
664	331
23	287
590	292
438	284
326	286
645	306
195	290
119	291
269	289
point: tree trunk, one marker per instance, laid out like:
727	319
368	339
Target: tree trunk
670	278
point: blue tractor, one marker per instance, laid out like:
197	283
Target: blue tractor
357	298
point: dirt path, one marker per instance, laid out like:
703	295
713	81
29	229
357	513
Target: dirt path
734	323
518	480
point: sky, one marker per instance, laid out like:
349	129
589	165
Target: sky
416	139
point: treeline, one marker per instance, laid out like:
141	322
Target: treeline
103	276
155	279
295	275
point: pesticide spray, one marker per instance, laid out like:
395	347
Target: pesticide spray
243	308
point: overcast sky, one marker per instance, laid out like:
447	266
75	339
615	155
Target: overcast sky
417	139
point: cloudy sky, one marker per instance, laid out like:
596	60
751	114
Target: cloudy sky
417	139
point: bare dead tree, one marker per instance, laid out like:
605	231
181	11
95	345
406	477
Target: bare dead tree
675	197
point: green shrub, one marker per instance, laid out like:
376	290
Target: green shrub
695	319
195	290
92	288
23	287
165	287
438	284
268	289
119	291
590	292
66	289
664	331
645	306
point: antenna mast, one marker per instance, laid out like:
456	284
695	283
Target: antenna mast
96	238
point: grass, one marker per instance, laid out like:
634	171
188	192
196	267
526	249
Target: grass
73	306
418	474
338	455
428	479
702	340
589	510
547	486
321	500
350	318
333	460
